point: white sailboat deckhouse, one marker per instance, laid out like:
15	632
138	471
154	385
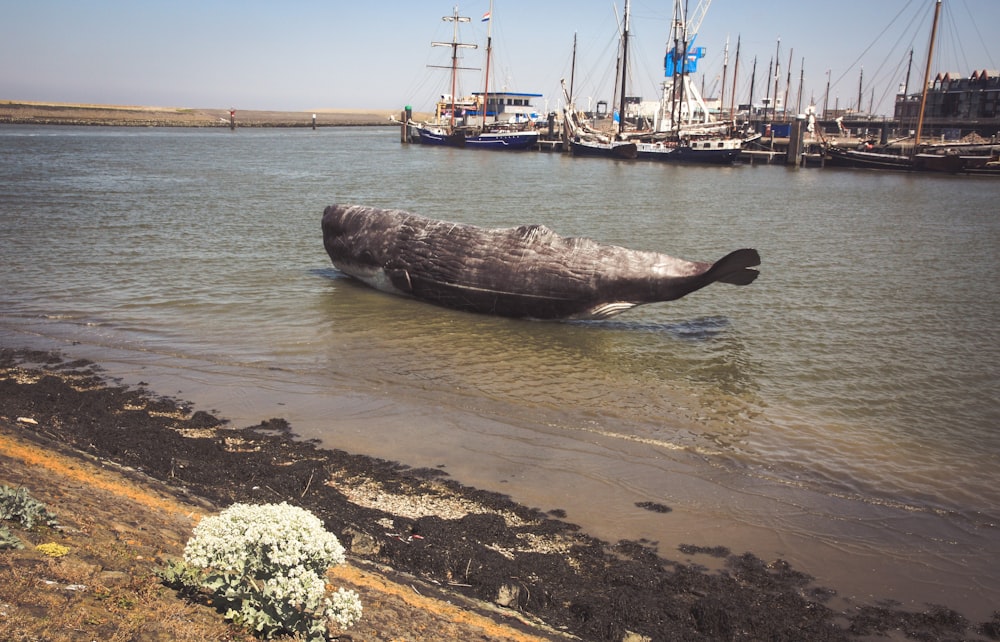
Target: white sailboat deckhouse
509	106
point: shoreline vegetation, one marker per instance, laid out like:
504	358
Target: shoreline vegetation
44	113
128	473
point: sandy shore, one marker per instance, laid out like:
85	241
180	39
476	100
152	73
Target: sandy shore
121	525
38	113
433	559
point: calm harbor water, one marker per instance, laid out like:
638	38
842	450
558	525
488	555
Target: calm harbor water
842	413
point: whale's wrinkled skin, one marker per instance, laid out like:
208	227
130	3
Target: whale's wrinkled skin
528	271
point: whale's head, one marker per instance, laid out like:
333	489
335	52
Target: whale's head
361	242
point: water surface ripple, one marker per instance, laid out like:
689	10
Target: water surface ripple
842	412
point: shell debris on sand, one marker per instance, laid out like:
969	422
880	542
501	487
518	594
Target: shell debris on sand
427	500
433	499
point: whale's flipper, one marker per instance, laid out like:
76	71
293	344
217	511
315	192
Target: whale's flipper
734	268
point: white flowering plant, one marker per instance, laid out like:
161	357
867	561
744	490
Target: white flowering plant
265	564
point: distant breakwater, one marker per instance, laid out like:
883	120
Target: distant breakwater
113	116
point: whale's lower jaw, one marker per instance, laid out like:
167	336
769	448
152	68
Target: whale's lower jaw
376	278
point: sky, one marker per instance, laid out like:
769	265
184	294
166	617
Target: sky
302	55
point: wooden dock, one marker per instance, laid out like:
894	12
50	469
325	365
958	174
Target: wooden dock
550	146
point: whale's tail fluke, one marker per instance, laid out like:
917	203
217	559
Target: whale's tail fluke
735	268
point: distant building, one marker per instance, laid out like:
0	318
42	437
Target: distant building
956	104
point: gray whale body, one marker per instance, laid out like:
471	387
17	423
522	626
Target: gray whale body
528	271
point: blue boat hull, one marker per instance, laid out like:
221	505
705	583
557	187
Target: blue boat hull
489	140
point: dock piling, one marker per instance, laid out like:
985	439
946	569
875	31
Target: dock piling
795	141
404	127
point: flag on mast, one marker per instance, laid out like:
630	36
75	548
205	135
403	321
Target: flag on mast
486	17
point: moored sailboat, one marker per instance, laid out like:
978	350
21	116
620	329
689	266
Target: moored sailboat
683	128
462	122
584	140
686	131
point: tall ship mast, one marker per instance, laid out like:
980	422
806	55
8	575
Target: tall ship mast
455	45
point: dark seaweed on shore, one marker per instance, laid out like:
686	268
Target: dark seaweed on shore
588	588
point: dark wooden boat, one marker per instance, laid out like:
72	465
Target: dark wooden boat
581	146
950	161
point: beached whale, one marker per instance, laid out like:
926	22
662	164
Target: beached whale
528	271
